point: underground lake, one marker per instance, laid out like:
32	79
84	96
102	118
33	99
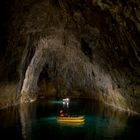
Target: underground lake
37	121
87	50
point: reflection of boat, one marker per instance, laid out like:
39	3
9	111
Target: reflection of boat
71	119
78	124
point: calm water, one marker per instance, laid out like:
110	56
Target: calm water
37	121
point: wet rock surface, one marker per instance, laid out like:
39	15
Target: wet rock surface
84	48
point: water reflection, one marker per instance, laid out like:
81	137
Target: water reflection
10	123
27	113
106	122
69	124
8	117
38	121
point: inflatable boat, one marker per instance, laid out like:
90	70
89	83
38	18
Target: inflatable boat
72	119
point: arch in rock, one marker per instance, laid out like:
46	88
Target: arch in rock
32	73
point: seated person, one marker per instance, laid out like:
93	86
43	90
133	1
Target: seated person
61	113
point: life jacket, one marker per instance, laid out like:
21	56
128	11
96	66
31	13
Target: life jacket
61	115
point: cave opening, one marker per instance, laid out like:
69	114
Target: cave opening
46	86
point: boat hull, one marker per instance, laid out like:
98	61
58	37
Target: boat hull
78	119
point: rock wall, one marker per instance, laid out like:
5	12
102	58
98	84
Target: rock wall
87	48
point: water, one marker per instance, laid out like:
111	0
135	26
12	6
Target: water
37	121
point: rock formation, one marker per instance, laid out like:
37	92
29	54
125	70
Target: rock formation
84	48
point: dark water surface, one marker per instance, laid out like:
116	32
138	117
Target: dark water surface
37	121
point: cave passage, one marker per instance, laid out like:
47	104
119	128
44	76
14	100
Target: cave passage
87	48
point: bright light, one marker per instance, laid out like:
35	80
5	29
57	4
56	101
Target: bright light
66	100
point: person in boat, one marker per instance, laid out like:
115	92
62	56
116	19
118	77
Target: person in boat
61	113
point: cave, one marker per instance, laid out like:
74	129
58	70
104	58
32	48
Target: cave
76	48
75	58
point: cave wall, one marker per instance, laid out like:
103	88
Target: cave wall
92	48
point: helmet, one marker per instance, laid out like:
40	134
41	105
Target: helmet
61	111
